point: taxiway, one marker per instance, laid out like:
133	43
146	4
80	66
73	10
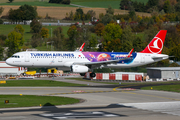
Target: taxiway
101	103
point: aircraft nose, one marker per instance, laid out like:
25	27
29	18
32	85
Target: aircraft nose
8	61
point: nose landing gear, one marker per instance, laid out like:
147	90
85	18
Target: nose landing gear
82	74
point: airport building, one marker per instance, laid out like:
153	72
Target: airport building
7	70
164	72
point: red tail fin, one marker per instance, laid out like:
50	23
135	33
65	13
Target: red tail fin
81	48
156	44
130	53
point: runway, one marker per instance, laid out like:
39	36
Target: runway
102	103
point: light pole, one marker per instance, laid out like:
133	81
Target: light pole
51	44
51	32
47	44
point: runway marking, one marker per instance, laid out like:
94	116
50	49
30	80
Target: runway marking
86	92
129	92
80	115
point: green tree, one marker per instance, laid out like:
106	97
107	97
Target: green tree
19	29
79	11
35	43
24	12
11	1
71	42
66	2
177	7
2	44
84	36
167	6
58	39
15	15
36	40
175	51
150	33
79	14
127	39
2	40
91	14
131	12
44	32
93	43
99	29
113	45
152	3
29	12
107	18
1	10
3	37
1	53
172	38
55	1
14	42
138	44
58	32
35	26
110	10
71	16
1	21
111	33
124	4
139	6
174	65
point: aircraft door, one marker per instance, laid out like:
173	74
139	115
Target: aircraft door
59	59
177	74
142	59
26	57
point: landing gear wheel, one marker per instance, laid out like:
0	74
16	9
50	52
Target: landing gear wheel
92	74
82	74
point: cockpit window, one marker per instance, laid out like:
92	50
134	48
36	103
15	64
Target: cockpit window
15	56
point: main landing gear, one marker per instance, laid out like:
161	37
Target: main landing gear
91	74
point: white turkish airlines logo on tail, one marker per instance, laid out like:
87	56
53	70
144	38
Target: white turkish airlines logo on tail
156	45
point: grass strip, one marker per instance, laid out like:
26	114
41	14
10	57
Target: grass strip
171	88
35	83
32	100
85	80
37	3
126	82
6	29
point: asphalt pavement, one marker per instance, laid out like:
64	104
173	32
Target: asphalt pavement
101	102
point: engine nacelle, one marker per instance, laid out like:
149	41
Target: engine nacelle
79	69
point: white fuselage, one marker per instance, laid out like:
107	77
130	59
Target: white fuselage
66	59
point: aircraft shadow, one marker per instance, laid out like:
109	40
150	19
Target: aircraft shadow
53	112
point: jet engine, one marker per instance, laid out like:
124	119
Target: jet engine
79	69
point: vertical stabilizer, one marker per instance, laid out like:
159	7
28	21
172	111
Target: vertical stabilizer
81	48
156	44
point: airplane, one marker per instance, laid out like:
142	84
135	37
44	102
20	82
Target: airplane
82	62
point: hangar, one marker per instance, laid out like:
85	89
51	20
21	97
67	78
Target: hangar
6	69
164	72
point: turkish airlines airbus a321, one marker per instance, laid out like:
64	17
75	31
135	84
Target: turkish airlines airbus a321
82	62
